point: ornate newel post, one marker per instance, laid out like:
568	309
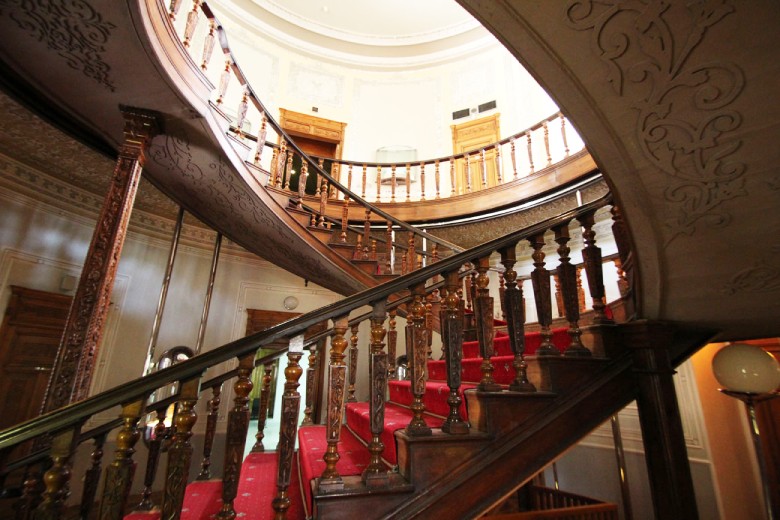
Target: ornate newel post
291	404
567	277
375	473
515	321
541	282
77	352
452	340
330	479
416	351
483	312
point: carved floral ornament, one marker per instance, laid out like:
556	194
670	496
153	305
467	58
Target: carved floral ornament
685	119
72	28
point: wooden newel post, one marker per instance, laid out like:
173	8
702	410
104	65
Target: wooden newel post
375	473
515	321
417	353
237	427
291	405
452	342
330	479
180	452
567	276
541	282
74	363
483	313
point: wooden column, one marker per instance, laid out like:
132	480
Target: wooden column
375	473
77	352
666	456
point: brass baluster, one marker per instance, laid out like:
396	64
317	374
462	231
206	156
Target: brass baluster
416	348
192	22
591	256
452	345
422	181
208	46
57	477
238	424
211	431
547	142
291	402
392	183
378	182
541	282
311	374
483	168
392	342
363	187
152	461
344	220
483	314
437	178
515	321
530	152
514	157
563	135
119	474
408	182
92	477
224	79
568	280
375	473
262	414
452	176
353	361
330	479
288	170
180	452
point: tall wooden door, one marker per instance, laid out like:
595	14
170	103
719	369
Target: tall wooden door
29	337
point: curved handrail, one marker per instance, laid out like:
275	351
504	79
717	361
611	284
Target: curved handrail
75	414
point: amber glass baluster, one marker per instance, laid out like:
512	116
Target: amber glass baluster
416	347
330	479
530	152
541	282
515	321
568	279
376	473
452	344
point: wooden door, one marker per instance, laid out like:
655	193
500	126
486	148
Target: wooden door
29	338
471	136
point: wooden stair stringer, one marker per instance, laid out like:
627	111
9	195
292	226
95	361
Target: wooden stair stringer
474	484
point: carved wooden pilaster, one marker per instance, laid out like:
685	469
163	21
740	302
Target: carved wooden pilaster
515	321
180	452
311	374
291	402
541	282
376	473
77	352
568	279
57	478
211	430
392	343
152	460
119	474
483	314
416	351
452	345
92	477
238	424
262	413
591	256
330	479
666	455
353	363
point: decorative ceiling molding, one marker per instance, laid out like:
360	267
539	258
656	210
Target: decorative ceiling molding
686	120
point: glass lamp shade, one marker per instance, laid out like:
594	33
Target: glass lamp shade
746	368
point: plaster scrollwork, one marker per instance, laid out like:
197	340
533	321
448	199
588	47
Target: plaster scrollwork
686	120
72	28
759	278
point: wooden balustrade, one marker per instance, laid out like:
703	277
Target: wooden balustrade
540	278
311	375
330	478
262	413
452	346
211	431
568	281
483	314
416	348
154	447
119	474
375	473
515	320
180	452
353	363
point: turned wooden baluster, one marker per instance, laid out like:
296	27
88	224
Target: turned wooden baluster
540	278
366	233
558	295
499	166
119	474
31	494
452	346
238	424
375	473
389	248
563	135
626	262
57	478
483	314
530	152
288	169
243	106
349	178
547	142
437	178
261	136
378	182
208	46
152	461
330	479
344	220
353	360
180	452
211	430
467	166
412	252
502	295
92	477
262	413
311	375
416	350
392	182
302	178
323	203
321	164
591	256
483	168
192	22
363	187
224	79
403	263
580	290
515	321
281	159
291	403
514	157
274	167
422	181
567	277
452	176
392	343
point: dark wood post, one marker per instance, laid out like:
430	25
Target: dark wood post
291	404
152	460
75	360
540	277
483	313
452	344
416	352
375	473
353	363
330	479
392	343
180	453
311	376
211	430
666	456
515	321
92	477
567	277
57	477
591	256
262	414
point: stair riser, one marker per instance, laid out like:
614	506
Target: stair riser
420	459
